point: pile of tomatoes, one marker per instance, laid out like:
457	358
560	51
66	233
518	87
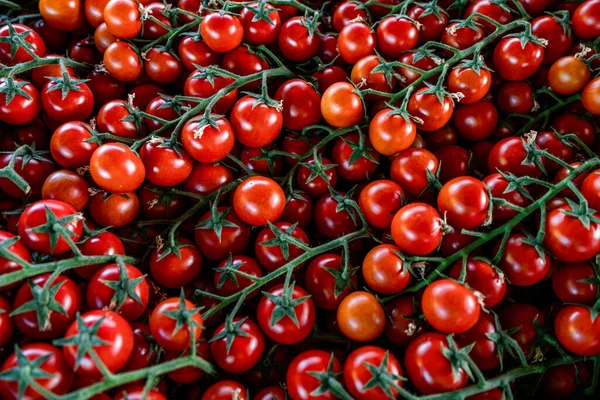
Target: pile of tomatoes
309	200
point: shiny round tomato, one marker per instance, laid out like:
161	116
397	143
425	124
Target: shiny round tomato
395	35
198	85
521	262
142	355
450	307
316	186
361	317
258	200
161	66
225	390
345	13
165	328
548	27
349	168
206	143
427	367
485	351
192	50
497	185
240	353
165	166
482	277
576	330
590	96
21	109
379	201
21	55
362	76
102	244
263	31
301	104
357	373
35	172
326	283
341	106
233	237
221	32
568	239
432	113
19	250
475	121
37	214
206	179
77	105
69	146
586	20
384	271
122	17
121	119
462	37
116	168
332	222
115	210
355	41
173	270
464	202
509	155
113	330
569	285
432	20
515	62
255	124
572	123
409	170
400	327
590	188
568	75
227	282
417	229
122	62
390	133
296	41
301	382
272	257
473	85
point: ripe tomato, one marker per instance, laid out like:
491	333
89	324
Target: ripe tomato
46	322
233	237
34	172
344	156
379	201
206	179
400	328
47	359
301	104
461	37
384	271
19	250
586	20
473	85
122	62
258	200
390	133
450	307
225	390
464	202
173	270
255	124
326	283
590	96
395	35
122	17
289	302
514	62
521	262
228	283
142	355
124	291
341	106
357	372
576	330
192	50
297	41
485	351
345	13
103	244
568	239
121	119
197	85
239	353
68	145
165	320
107	326
151	29
361	317
409	170
433	114
77	105
206	143
115	210
363	76
36	43
221	32
116	168
270	393
509	155
428	369
590	188
355	41
300	379
568	75
475	121
21	109
432	24
417	229
482	277
45	211
165	166
161	66
189	374
569	285
330	221
264	31
271	257
316	186
522	316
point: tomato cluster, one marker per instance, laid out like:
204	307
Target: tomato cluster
309	200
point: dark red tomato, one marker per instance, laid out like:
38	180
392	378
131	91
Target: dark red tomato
137	392
122	62
509	155
341	106
572	123
36	215
345	13
356	41
299	146
315	185
301	382
328	50
379	201
197	85
577	331
193	51
32	134
240	353
568	239
559	40
221	32
270	393
271	257
40	75
492	394
516	97
590	97
410	75
586	20
330	222
400	328
432	112
206	143
34	172
264	30
119	118
485	352
357	373
113	330
462	37
483	278
116	168
161	66
255	124
285	330
241	61
384	271
105	88
409	170
450	307
344	155
115	210
427	367
68	145
165	328
164	165
480	152
514	62
417	229
20	109
55	323
301	104
328	290
225	390
49	360
361	317
298	42
6	324
473	85
298	210
590	189
260	161
160	204
454	241
395	35
122	18
464	202
152	30
561	381
77	105
521	262
390	133
233	238
189	374
475	121
20	56
258	200
143	94
142	355
165	108
103	244
228	283
569	285
497	185
432	24
522	316
550	142
173	270
489	9
362	76
206	179
54	39
19	250
112	288
328	76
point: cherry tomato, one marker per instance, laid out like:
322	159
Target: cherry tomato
165	328
233	236
240	353
464	202
450	307
258	200
122	17
36	43
379	201
485	351
255	124
116	168
341	106
18	249
482	277
361	317
586	20
206	143
221	32
301	382
576	330
21	109
417	229
391	133
357	372
165	166
301	104
122	62
432	112
515	62
395	35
